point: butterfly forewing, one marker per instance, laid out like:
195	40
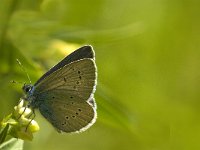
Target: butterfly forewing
81	53
74	81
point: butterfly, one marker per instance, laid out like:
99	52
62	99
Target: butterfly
64	95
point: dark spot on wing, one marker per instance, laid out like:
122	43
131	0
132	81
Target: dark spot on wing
71	96
79	109
64	123
79	72
77	82
65	79
76	113
66	117
80	77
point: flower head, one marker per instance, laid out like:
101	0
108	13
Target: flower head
21	125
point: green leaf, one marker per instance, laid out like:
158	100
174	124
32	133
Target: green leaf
12	144
3	134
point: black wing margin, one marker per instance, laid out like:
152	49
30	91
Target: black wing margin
83	52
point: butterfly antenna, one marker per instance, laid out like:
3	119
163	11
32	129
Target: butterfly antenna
13	81
20	64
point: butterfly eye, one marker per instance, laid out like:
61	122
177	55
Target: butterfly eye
27	89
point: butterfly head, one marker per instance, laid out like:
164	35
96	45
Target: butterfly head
27	88
29	91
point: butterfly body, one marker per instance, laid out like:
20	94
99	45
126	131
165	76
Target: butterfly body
64	95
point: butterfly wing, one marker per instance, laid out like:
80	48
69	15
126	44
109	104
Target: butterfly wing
76	80
68	116
64	92
81	53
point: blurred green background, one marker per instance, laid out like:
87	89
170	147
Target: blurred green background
148	59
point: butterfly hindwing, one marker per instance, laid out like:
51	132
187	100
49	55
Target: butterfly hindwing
68	115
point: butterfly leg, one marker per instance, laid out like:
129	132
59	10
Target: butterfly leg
21	99
22	113
32	114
